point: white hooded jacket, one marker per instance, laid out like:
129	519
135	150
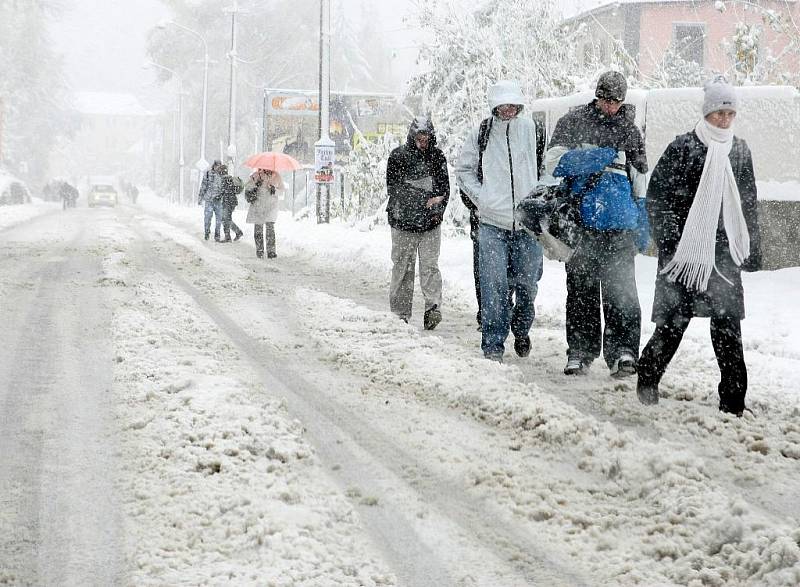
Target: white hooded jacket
510	152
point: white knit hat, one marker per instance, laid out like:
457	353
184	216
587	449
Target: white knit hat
719	95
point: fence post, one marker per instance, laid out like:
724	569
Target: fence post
341	190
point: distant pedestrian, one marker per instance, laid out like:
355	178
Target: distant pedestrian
703	214
231	186
419	189
261	192
600	154
495	178
68	194
211	196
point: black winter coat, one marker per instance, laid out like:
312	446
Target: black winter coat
230	187
670	195
407	170
588	125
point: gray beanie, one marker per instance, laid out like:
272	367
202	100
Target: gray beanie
719	95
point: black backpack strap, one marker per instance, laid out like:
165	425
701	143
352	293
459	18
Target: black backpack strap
541	139
483	140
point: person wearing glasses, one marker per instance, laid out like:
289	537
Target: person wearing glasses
599	155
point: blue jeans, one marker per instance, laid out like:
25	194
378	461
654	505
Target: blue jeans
510	261
212	207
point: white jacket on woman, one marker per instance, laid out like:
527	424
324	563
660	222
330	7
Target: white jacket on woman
513	140
265	208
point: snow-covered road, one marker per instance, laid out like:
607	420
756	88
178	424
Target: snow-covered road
60	522
270	423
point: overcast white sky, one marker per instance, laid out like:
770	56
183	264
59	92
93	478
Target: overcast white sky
103	40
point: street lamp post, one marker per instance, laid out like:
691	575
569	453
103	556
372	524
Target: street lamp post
231	150
324	148
202	163
181	160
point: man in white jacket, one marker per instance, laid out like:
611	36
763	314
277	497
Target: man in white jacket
496	179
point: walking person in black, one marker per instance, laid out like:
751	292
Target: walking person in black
703	214
230	187
419	189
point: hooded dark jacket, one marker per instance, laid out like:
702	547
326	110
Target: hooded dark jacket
670	195
414	176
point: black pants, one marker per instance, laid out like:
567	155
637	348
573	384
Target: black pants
726	337
601	274
228	223
263	232
474	224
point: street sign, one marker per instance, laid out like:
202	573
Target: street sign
324	157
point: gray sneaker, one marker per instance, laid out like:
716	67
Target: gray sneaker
576	365
624	366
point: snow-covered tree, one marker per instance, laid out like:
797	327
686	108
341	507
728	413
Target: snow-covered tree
675	71
750	63
366	176
468	49
33	94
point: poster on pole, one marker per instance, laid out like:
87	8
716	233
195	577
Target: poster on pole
324	156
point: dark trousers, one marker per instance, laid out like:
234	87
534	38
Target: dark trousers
726	337
262	232
474	224
602	275
228	223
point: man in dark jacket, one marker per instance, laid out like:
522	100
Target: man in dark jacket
210	195
600	153
704	244
419	189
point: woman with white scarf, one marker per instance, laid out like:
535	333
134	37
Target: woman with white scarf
702	205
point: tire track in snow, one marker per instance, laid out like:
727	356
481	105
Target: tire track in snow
365	454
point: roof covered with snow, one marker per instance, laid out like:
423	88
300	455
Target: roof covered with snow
109	104
588	6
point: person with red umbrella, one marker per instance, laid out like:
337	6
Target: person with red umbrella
261	192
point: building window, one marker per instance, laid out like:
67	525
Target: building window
689	41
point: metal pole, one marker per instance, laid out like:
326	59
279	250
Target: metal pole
203	162
181	161
231	151
325	143
319	118
264	130
341	190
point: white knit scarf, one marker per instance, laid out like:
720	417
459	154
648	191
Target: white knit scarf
694	258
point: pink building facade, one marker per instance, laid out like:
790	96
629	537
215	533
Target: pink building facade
701	31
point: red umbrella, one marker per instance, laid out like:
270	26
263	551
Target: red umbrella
273	161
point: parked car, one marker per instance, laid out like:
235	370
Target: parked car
102	194
13	190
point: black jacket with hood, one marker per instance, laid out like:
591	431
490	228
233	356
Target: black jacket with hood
412	178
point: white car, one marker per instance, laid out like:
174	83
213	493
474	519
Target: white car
102	195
